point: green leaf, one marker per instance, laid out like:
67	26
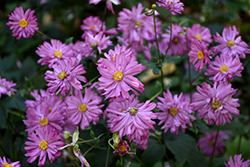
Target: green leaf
92	134
184	148
69	40
157	68
153	153
118	163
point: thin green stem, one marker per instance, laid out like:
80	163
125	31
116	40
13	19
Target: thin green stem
189	70
103	16
87	84
162	83
239	143
17	106
107	158
138	159
43	34
121	161
216	137
157	94
94	146
156	39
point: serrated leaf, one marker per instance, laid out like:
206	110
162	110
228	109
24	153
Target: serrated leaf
184	148
152	154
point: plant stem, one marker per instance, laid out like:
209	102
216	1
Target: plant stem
157	44
107	158
216	137
157	94
239	143
170	38
43	34
87	84
121	161
189	70
138	159
17	106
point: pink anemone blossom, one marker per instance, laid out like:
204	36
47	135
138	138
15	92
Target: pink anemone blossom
199	55
44	141
228	44
84	110
206	143
117	75
8	163
224	67
178	41
237	162
66	76
173	6
175	113
6	87
131	118
199	32
109	3
23	24
54	52
94	25
215	104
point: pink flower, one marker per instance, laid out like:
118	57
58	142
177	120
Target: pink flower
238	162
199	54
173	6
224	67
44	141
206	143
178	41
6	87
176	113
84	109
109	3
22	24
42	115
53	53
8	163
131	118
143	140
94	25
122	148
200	33
228	44
216	103
117	75
65	77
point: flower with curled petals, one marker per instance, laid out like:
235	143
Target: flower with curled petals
66	76
206	143
173	6
215	104
175	113
131	118
23	24
8	163
224	67
83	110
117	75
54	52
44	141
199	32
238	162
228	44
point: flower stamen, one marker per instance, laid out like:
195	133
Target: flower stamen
58	53
133	111
198	36
137	24
173	111
92	26
223	68
5	164
118	75
43	121
200	55
43	145
62	75
23	23
230	43
82	107
215	103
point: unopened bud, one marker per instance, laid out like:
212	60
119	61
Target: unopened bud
153	6
93	45
185	29
66	135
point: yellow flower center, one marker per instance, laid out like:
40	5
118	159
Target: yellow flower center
176	40
223	68
200	55
82	107
122	148
137	24
215	103
43	145
210	143
173	111
97	42
5	164
62	75
152	28
92	26
122	111
133	111
230	43
23	23
118	75
58	53
198	36
43	121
